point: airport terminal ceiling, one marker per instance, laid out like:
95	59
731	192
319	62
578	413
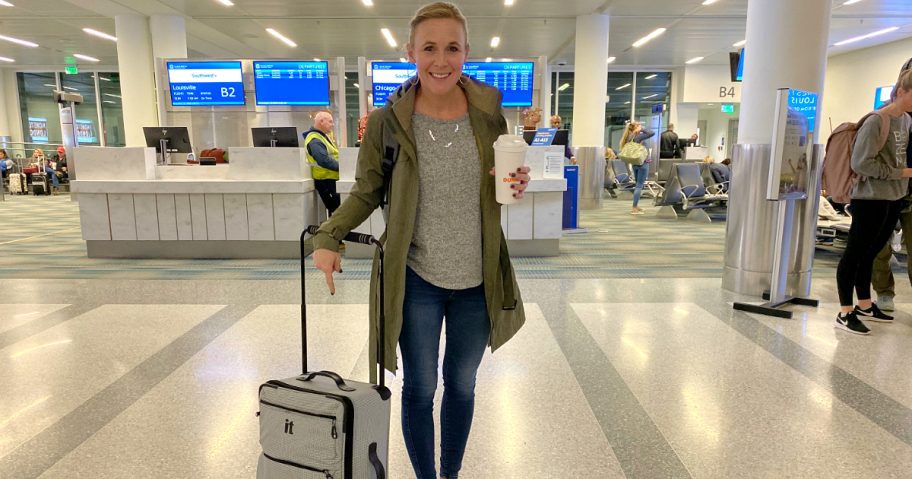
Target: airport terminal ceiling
329	29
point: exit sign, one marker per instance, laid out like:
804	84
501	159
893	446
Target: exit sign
728	108
72	70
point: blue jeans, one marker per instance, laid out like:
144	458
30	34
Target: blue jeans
467	332
52	175
639	173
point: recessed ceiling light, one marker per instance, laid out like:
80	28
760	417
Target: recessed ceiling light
739	44
70	88
227	3
626	102
109	101
52	86
488	59
506	59
16	40
389	37
563	87
495	41
283	38
368	3
611	59
694	60
6	4
650	96
623	86
508	3
86	57
92	31
357	85
112	95
864	37
317	60
709	2
652	35
103	78
650	77
850	2
5	59
403	60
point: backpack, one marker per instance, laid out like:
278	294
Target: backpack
838	177
219	154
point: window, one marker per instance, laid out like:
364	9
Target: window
85	118
653	89
111	109
40	114
618	107
563	94
352	105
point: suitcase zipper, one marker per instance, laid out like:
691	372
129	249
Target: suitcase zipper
347	423
299	466
335	433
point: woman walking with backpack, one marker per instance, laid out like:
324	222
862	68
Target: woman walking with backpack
637	134
883	180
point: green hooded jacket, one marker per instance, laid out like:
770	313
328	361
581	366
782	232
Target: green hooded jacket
505	308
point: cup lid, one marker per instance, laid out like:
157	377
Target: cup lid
510	142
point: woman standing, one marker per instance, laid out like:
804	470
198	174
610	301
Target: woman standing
637	134
446	256
883	182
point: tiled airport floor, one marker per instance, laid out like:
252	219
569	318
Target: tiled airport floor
609	378
146	369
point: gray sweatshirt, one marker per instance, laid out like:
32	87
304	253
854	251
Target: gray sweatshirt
880	171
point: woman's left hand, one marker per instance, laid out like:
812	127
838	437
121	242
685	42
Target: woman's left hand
522	174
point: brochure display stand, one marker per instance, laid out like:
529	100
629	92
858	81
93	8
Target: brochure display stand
789	177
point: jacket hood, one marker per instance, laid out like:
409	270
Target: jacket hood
483	97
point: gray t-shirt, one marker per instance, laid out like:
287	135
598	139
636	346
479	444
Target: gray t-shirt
446	243
880	170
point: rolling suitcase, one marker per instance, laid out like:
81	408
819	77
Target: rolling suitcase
17	184
40	184
319	425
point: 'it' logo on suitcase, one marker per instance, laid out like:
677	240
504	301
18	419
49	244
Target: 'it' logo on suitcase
289	427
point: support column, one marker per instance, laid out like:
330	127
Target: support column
4	120
588	124
793	57
134	57
169	40
590	80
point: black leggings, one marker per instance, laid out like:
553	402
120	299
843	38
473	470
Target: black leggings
873	222
327	191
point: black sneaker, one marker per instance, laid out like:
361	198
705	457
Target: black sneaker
849	322
873	314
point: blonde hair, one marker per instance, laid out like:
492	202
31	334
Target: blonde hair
904	81
628	133
438	10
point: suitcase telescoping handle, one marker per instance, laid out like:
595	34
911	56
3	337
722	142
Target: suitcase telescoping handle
381	346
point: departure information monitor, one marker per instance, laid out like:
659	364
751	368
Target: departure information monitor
304	83
206	83
514	79
387	77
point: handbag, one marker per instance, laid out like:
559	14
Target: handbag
633	153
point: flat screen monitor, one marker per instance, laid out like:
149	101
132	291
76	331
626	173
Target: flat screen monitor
206	83
736	65
277	136
177	137
387	77
882	96
561	137
301	83
513	79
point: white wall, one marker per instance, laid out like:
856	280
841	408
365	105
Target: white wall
852	78
10	94
709	84
717	129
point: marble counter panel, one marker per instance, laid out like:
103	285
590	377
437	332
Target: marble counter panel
94	217
236	226
167	217
260	219
348	163
198	217
183	217
215	217
123	217
268	164
103	163
192	186
146	211
192	172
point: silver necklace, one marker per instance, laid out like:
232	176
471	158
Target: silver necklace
431	134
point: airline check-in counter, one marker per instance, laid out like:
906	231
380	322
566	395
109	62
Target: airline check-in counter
255	206
532	226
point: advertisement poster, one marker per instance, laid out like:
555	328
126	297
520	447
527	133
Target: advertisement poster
38	129
85	131
789	161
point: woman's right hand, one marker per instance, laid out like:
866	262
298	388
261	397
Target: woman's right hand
328	262
907	172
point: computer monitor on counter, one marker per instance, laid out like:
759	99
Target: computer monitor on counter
275	136
167	139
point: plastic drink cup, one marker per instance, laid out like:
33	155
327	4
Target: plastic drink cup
509	155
